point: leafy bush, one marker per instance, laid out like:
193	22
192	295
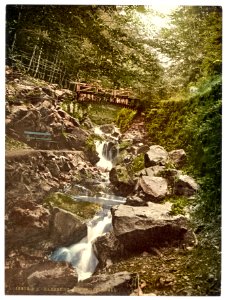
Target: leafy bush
124	118
194	125
138	163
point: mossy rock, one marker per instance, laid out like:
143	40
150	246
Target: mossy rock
83	209
12	144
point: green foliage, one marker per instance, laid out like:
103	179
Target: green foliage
90	144
125	118
194	125
124	145
79	42
12	144
101	114
179	204
193	43
85	210
138	163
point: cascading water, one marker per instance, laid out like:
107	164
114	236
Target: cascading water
107	150
81	255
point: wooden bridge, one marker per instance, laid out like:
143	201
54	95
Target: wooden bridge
94	93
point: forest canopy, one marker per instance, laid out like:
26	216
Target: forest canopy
109	43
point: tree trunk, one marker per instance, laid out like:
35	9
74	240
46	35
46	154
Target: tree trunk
38	62
32	58
15	34
54	67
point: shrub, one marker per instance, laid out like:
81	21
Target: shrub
124	118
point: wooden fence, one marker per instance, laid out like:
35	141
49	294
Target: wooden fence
55	73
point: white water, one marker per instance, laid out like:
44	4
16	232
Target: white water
103	163
81	255
106	156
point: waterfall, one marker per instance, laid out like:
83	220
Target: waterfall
107	150
81	255
104	163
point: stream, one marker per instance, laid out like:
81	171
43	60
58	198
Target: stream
81	255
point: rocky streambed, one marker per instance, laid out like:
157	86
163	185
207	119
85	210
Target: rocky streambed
53	194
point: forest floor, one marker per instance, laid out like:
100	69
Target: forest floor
179	271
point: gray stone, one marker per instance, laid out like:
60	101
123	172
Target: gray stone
49	275
122	181
114	284
107	128
154	171
139	228
108	248
178	157
185	185
154	187
156	155
135	201
66	228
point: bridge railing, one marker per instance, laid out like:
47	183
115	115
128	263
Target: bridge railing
94	93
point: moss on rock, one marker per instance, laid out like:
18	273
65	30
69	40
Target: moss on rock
83	209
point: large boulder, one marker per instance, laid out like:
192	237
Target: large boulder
154	188
51	277
114	284
178	157
107	249
156	155
66	228
28	223
40	278
154	171
122	181
139	228
185	185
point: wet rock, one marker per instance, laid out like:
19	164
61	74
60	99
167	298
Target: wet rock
114	284
155	188
178	157
156	155
107	128
135	201
122	181
185	185
139	228
107	248
66	228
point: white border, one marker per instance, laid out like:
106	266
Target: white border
3	3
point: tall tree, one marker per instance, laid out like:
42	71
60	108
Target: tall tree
193	42
80	43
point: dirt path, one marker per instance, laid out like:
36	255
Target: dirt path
25	152
137	129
